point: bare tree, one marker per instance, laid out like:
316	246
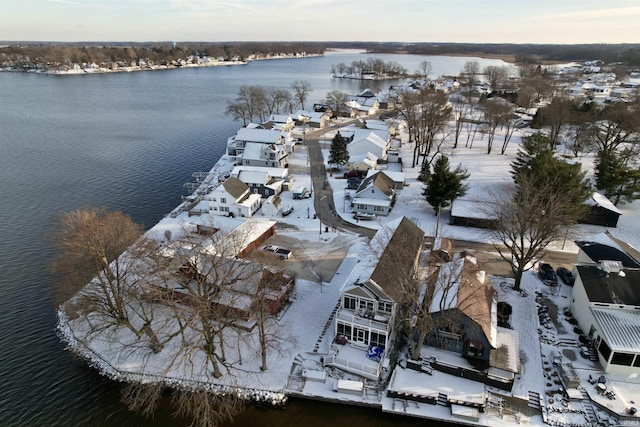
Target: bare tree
555	115
496	76
95	247
617	123
426	113
207	408
277	100
470	70
301	90
336	100
424	69
238	111
461	108
497	112
527	221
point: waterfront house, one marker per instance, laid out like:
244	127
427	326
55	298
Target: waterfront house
281	122
255	135
464	309
233	198
463	306
264	181
376	194
606	301
245	290
365	320
313	119
264	155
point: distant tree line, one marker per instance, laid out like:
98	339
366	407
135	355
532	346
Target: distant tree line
158	53
628	54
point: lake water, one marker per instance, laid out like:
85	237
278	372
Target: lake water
128	142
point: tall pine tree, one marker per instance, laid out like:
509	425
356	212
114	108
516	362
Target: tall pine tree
338	153
445	185
537	160
617	176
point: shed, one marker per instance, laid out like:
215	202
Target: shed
601	211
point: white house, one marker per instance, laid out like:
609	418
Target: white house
376	142
282	122
376	195
272	206
233	198
606	302
263	155
313	119
362	162
236	145
264	181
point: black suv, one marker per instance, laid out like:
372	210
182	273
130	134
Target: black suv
565	275
547	275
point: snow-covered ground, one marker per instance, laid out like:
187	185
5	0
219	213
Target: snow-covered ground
306	328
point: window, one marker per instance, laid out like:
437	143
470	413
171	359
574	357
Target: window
223	200
378	339
637	361
361	335
344	329
378	208
362	207
213	199
604	350
385	306
349	302
625	359
366	304
224	209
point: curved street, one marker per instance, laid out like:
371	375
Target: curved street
323	194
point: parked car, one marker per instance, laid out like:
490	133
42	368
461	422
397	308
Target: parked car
566	275
547	274
277	250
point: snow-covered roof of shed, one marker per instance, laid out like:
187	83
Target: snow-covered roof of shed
598	199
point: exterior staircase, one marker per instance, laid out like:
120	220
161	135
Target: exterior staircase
326	327
443	399
589	412
535	402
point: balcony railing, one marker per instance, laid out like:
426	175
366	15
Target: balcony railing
378	322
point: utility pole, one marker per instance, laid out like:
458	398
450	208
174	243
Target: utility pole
320	210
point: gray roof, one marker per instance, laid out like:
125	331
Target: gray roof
379	180
235	187
601	252
610	288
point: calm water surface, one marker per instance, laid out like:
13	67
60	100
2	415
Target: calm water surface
127	142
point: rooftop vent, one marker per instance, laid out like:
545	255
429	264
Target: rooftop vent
611	266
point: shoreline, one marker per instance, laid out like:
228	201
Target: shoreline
133	69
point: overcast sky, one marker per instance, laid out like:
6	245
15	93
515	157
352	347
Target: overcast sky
497	21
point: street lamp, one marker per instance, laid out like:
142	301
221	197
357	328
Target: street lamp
320	210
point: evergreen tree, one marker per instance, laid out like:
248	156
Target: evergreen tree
617	177
537	161
338	154
445	185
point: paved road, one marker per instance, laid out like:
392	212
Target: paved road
323	200
325	208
